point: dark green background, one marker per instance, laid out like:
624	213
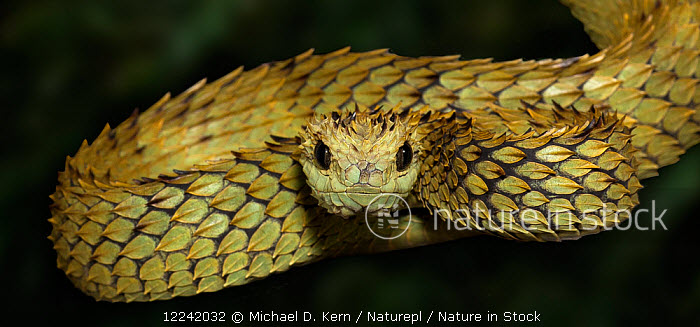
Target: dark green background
70	67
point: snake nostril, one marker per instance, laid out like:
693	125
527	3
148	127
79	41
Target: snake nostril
364	177
376	178
352	174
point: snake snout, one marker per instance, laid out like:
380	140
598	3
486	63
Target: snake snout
364	173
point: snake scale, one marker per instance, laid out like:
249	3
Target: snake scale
270	168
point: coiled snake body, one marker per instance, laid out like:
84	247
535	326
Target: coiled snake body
269	168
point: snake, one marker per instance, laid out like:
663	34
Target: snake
296	161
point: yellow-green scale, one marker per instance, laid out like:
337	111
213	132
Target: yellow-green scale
224	219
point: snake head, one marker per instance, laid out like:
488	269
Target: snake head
352	157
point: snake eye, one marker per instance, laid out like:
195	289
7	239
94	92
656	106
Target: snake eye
323	155
404	157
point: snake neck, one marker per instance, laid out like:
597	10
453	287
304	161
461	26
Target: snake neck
573	178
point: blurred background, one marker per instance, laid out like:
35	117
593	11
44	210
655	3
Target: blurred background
69	67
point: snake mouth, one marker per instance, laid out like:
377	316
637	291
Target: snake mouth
362	189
